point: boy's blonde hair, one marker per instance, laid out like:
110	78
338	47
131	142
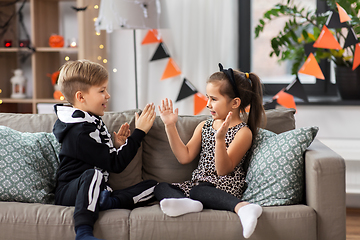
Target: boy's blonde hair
80	75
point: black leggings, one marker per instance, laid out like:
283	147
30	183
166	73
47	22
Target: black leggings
83	193
206	193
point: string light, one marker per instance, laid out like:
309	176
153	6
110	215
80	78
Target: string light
62	98
0	101
101	46
114	70
67	58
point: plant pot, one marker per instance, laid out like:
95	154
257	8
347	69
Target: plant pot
348	82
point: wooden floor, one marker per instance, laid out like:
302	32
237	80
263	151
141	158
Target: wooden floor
353	224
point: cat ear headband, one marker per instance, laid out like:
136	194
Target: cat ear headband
230	75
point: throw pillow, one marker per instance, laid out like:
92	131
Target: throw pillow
28	164
275	175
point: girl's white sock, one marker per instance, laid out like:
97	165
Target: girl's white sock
248	216
174	207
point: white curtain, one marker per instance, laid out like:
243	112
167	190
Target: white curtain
198	35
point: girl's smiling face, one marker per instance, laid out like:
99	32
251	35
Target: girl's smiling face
219	105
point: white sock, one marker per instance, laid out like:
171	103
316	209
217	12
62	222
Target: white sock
174	207
248	216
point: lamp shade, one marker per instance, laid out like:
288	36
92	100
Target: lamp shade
128	14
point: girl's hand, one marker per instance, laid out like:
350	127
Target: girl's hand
221	132
145	121
167	115
121	136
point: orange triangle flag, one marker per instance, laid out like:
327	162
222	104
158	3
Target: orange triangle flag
152	36
200	102
285	99
344	17
356	62
171	70
311	67
326	40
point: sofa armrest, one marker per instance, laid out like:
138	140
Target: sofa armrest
325	190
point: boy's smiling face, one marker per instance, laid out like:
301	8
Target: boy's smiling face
93	101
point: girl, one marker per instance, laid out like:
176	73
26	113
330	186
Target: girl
223	143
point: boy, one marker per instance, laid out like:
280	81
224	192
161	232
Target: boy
88	153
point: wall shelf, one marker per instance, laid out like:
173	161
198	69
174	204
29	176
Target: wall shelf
45	18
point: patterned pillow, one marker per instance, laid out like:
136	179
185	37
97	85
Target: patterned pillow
275	175
28	164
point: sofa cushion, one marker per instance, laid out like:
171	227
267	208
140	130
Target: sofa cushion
280	120
159	163
45	221
281	222
28	164
276	171
24	122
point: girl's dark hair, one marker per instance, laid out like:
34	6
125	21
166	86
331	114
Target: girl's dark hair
251	94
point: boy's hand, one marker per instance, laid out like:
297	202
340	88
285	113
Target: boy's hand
121	136
145	121
167	115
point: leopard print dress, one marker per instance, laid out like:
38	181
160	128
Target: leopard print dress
234	182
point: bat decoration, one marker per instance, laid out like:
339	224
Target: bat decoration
79	9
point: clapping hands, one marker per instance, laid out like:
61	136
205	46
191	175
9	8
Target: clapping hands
167	114
121	136
145	120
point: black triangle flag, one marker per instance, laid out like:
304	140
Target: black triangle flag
296	89
187	89
309	48
270	105
351	39
160	53
333	21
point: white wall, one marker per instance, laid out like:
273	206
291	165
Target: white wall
198	35
338	129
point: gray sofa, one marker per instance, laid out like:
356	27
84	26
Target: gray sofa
321	215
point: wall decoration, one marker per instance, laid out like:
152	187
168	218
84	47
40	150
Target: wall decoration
56	41
344	17
18	82
351	39
187	89
311	67
7	43
171	70
200	102
270	105
327	40
285	99
160	53
79	9
152	36
333	21
356	57
296	89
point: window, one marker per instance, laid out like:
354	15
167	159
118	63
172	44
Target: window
254	53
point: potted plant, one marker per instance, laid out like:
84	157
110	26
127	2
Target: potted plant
302	29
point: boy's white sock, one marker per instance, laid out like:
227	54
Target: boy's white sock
174	207
248	216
